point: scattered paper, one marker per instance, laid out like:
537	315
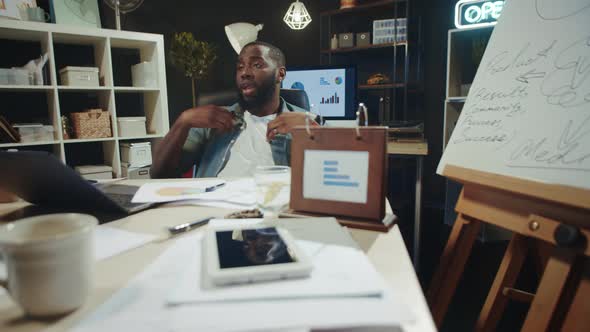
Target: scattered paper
109	241
159	192
237	194
140	306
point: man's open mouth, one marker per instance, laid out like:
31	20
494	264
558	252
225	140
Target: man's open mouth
248	89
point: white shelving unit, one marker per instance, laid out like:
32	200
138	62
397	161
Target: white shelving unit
73	152
460	70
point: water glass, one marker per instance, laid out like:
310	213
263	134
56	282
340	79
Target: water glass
273	189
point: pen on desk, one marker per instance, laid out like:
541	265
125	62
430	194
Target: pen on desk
215	187
188	226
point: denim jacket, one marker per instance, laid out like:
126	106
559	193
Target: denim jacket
210	150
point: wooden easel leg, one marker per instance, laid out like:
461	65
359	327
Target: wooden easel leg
451	266
578	316
505	277
547	297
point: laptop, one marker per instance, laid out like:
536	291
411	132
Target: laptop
42	179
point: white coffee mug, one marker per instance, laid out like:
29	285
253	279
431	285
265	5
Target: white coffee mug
49	262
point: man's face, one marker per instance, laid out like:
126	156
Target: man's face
257	76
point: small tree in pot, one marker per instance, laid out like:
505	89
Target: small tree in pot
193	57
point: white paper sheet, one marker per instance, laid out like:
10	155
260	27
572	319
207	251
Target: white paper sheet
158	192
108	242
140	306
237	194
336	175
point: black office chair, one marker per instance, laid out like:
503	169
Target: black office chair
229	97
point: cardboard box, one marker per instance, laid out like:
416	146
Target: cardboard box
345	40
132	172
79	76
136	154
34	132
131	126
363	39
95	172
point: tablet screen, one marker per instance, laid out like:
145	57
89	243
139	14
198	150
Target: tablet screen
250	247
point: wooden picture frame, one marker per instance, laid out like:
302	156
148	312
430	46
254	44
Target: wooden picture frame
367	139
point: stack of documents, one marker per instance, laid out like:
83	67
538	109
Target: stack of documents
154	300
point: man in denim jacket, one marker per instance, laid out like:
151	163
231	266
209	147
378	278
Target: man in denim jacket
232	141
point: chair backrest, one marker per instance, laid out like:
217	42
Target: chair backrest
229	97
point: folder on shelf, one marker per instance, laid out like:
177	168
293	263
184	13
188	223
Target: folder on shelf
7	133
340	172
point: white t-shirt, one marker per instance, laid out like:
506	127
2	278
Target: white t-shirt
250	148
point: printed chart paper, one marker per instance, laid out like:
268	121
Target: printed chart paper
336	175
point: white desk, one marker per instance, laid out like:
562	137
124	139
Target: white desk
386	251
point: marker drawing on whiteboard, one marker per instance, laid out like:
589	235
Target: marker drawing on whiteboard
547	9
571	151
529	75
505	60
569	84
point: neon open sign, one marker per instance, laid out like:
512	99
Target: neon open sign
477	13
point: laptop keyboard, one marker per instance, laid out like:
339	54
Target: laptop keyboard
123	200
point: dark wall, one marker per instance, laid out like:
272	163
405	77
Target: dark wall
438	19
207	20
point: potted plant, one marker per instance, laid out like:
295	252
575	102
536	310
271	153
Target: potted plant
193	57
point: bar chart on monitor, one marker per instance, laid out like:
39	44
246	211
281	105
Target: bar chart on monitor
325	88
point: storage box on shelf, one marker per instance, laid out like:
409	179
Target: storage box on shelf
132	172
136	154
94	123
15	76
136	160
34	132
132	126
79	76
391	30
69	46
95	172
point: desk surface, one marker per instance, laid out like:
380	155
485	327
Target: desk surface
386	251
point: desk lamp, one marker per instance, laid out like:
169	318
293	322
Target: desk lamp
240	34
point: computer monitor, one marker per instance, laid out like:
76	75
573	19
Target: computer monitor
331	89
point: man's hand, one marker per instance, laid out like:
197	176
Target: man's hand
208	116
284	123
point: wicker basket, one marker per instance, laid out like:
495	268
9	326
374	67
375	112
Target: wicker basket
93	123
